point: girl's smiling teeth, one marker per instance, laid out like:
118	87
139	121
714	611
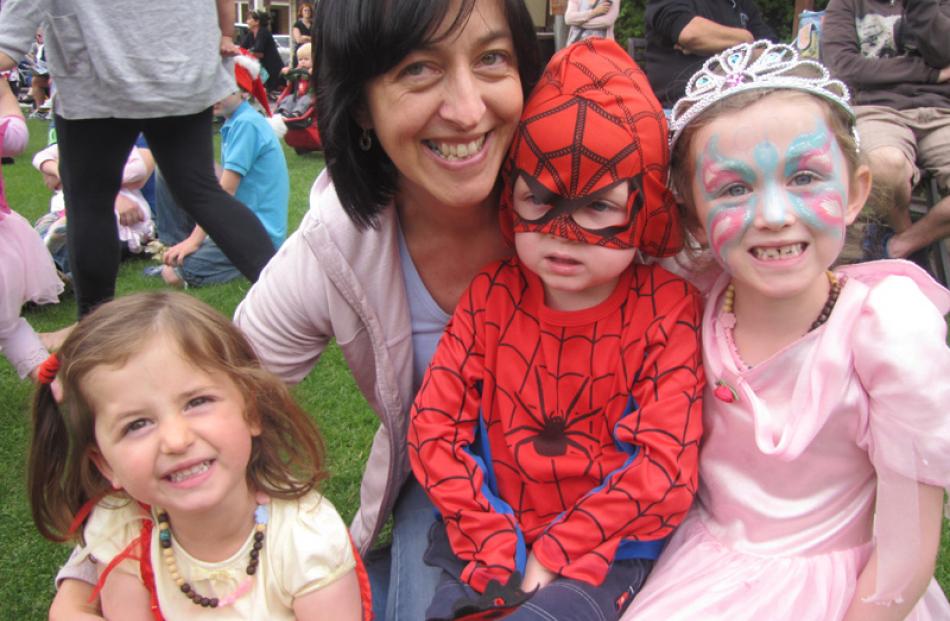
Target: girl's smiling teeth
185	473
456	151
774	253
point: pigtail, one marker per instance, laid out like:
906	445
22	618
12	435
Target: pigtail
54	496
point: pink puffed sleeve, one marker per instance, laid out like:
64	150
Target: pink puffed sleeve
27	273
902	359
16	135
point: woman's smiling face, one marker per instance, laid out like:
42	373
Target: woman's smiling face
446	113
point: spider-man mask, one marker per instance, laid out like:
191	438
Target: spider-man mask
590	124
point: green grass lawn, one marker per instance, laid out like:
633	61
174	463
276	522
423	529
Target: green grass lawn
27	562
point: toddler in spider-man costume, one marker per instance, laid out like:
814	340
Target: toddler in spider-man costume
558	425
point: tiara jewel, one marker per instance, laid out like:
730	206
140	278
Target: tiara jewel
751	66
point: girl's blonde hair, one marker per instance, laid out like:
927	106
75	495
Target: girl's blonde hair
286	458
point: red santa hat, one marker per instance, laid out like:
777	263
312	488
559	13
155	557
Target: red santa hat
247	74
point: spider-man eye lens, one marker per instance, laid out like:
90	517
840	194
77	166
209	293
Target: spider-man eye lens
600	214
606	209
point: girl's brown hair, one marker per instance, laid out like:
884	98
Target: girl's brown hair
286	458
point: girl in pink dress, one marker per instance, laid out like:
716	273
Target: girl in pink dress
26	268
827	442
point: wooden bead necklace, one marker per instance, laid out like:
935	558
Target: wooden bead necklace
729	300
165	541
728	394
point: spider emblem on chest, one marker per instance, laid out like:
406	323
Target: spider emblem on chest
551	432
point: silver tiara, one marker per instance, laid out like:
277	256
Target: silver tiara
751	66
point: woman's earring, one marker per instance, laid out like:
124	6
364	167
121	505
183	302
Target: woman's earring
366	141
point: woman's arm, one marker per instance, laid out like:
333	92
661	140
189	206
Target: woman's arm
18	29
931	516
299	37
603	16
226	24
574	16
338	601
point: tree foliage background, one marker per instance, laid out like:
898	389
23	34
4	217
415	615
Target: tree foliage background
778	13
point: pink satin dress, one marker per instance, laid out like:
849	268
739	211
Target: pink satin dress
818	454
27	273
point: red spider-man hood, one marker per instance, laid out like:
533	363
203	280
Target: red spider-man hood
591	122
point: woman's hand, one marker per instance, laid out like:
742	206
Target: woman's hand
536	575
227	47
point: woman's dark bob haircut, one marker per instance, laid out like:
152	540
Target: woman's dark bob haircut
359	40
261	16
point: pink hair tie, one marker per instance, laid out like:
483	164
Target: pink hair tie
46	372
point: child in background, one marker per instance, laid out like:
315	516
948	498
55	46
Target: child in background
255	172
827	443
190	470
557	427
27	273
296	98
133	215
591	18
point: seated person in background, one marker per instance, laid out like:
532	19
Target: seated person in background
895	56
682	34
260	42
132	212
26	271
40	83
254	171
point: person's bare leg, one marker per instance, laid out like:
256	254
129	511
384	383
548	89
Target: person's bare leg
38	92
892	174
170	276
933	226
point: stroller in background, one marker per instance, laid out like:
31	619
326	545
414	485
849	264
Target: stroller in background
295	107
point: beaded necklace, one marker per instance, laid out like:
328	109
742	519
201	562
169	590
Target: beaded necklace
726	393
165	541
729	299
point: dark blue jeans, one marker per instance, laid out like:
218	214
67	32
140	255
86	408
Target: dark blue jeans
401	582
563	598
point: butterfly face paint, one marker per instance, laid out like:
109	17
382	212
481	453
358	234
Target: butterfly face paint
815	164
728	221
804	181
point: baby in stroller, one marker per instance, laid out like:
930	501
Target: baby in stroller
295	106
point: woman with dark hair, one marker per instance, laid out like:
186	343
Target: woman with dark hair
418	101
259	41
301	32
